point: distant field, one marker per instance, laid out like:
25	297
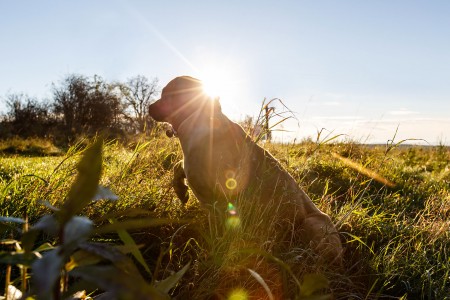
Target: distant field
391	205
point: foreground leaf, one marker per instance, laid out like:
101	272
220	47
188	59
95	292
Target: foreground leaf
44	247
15	258
117	284
12	220
85	186
112	254
46	272
47	224
82	258
104	193
76	231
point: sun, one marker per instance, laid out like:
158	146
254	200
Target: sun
217	83
225	79
221	82
213	86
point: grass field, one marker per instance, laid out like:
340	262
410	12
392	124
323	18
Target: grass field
391	205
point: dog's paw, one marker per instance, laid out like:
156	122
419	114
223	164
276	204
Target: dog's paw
184	197
179	182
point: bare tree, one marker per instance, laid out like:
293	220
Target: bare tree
70	101
86	105
138	93
26	116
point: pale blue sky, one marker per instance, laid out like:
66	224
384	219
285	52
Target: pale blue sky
359	68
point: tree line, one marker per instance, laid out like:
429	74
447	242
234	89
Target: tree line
82	106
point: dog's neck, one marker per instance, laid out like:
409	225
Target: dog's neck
198	125
185	115
177	125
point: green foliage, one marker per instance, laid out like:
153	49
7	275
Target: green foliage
29	147
71	256
396	239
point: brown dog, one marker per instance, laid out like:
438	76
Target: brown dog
223	165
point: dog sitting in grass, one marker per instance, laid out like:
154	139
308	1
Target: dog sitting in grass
230	174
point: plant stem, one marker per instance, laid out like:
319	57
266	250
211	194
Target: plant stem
24	269
7	280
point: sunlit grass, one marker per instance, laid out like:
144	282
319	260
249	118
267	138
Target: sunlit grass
396	238
29	147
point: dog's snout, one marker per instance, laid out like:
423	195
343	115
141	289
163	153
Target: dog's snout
156	111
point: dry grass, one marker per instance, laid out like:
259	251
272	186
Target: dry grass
396	238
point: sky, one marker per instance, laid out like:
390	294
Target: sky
370	71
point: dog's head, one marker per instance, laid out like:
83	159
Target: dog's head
180	98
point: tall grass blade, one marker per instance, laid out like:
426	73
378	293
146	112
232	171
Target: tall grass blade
363	170
262	282
170	282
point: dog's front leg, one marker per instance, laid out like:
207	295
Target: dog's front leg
178	182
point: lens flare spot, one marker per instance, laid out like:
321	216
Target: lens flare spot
231	183
238	294
231	209
233	222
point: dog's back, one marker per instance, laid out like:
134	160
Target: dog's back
223	165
